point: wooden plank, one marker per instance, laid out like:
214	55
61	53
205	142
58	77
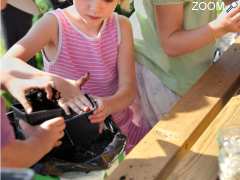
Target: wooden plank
201	161
158	152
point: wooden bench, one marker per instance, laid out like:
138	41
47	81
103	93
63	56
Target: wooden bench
183	144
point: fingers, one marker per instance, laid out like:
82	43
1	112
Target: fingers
83	79
236	21
48	90
235	9
81	105
100	113
98	117
26	105
86	103
58	143
64	106
75	107
236	17
100	106
98	110
55	122
60	136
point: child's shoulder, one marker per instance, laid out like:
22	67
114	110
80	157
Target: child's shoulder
123	21
48	18
48	23
125	29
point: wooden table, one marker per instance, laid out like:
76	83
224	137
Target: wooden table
200	163
183	145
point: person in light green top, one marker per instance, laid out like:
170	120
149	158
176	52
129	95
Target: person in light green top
174	43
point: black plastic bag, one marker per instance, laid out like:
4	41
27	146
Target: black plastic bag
83	148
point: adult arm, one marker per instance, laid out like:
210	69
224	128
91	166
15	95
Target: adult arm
27	6
17	77
24	153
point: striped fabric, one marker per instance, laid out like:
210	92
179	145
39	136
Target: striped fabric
79	53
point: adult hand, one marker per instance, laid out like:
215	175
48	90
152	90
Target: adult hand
20	83
48	133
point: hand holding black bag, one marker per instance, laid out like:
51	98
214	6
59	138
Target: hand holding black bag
83	148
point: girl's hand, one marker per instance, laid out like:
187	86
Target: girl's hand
226	22
71	96
102	112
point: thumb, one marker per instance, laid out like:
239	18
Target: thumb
26	105
80	82
53	122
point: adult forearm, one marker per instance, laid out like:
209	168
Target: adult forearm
22	154
27	6
13	67
10	64
3	4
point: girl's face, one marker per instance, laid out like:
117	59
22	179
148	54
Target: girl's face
95	10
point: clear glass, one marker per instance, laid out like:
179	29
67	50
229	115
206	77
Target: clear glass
229	153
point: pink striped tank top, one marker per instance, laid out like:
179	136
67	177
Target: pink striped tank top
78	53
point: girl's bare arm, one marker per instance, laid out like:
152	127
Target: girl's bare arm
126	70
177	41
126	74
43	33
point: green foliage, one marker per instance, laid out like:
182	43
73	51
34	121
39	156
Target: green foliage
39	60
7	97
219	10
43	6
2	47
123	12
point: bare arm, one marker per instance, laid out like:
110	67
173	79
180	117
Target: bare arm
3	4
41	140
42	34
28	153
126	70
27	6
126	73
17	76
177	41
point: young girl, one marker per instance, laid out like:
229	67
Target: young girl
174	43
89	37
